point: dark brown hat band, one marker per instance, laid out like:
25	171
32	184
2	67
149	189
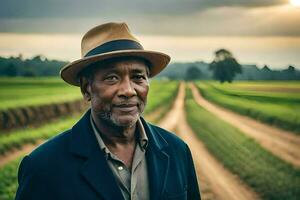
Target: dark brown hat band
115	45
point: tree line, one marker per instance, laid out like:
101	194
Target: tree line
224	68
36	66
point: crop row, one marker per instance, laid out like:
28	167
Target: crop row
15	118
161	96
18	138
22	92
271	177
274	108
9	182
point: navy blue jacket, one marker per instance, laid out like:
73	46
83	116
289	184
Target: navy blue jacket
71	166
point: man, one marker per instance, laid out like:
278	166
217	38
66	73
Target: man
111	153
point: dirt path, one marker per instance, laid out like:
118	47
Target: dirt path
216	182
14	154
281	143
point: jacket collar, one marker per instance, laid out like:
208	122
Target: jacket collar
96	171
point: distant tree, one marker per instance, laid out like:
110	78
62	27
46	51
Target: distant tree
224	66
267	73
11	70
291	69
266	68
193	73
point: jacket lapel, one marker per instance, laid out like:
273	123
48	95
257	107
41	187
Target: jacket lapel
95	169
157	161
98	174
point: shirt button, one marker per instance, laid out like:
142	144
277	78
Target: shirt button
120	168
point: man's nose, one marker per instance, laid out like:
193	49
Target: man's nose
126	88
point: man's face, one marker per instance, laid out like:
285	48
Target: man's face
119	92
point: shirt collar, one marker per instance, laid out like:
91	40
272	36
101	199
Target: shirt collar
142	137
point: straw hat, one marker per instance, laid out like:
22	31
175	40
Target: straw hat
108	41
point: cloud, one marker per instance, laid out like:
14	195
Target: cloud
167	17
116	8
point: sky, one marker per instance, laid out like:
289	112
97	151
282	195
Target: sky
256	32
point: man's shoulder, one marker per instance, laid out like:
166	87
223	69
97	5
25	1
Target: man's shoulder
51	149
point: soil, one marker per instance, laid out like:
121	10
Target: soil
284	144
14	154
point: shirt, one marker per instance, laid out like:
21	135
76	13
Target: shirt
133	182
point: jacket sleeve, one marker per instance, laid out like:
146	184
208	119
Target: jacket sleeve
193	192
23	180
29	187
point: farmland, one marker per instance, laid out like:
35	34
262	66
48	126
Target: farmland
8	177
21	92
275	103
245	159
271	177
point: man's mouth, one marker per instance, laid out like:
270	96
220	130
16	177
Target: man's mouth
126	107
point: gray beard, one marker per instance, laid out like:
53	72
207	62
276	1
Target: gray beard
113	121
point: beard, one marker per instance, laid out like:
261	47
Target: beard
110	116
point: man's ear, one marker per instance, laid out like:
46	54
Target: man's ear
85	88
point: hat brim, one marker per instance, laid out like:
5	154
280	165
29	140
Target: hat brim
159	61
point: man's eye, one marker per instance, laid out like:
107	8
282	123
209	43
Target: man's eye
111	78
139	77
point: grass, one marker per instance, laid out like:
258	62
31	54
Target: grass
22	92
259	101
9	182
18	138
268	175
161	94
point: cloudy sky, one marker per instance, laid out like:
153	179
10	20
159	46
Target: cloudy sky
256	31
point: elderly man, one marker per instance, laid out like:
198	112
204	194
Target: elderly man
111	153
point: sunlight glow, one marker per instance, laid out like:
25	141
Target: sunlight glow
295	3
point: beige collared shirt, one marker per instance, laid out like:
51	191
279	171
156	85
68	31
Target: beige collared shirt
133	182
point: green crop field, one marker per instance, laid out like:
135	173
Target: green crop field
8	177
276	103
268	175
161	96
18	138
21	92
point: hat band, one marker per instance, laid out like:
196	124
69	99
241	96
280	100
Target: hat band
115	45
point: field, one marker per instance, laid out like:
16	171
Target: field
271	177
275	103
20	92
263	172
